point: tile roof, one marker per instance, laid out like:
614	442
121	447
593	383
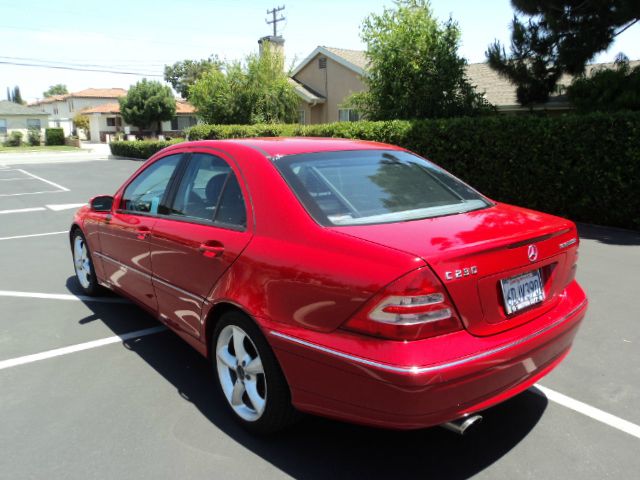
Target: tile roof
355	57
86	93
104	108
182	107
11	108
306	93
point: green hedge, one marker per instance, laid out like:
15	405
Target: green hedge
585	167
140	148
54	136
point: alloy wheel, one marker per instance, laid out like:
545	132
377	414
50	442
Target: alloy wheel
241	373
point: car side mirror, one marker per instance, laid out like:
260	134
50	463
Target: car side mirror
102	203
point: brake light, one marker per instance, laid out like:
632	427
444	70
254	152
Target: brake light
413	307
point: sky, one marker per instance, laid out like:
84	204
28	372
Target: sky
143	35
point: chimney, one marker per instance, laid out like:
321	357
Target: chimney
277	43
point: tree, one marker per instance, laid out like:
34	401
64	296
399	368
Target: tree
83	122
182	75
560	36
15	96
414	71
607	89
58	89
147	104
256	91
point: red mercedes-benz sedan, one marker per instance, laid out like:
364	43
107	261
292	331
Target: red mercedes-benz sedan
349	279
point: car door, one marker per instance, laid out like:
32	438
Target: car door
124	233
203	232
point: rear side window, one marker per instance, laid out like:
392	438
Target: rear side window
209	191
146	192
375	186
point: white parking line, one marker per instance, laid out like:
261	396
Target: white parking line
22	210
15	178
592	412
65	206
33	235
64	189
14	362
54	208
62	296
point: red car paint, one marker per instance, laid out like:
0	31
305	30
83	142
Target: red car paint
302	283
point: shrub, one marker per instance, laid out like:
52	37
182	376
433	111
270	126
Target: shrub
140	148
54	136
34	137
14	139
585	167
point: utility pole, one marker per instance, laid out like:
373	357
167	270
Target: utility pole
274	13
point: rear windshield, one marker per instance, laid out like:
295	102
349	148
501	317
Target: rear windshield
375	186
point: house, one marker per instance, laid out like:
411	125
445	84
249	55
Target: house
18	118
62	108
325	80
329	76
106	120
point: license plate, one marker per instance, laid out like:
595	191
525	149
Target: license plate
522	291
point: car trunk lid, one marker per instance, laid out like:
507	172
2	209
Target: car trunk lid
473	252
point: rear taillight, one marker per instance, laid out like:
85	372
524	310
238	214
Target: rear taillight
413	307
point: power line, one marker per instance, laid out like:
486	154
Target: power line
80	69
274	13
80	63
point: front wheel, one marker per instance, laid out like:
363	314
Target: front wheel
83	264
249	377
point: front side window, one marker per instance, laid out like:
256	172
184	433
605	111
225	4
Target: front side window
33	124
375	186
146	193
3	126
209	191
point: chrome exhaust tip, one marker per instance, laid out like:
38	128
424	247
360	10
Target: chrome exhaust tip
461	425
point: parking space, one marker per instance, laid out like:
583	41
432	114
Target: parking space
94	389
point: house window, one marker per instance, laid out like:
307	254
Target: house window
3	126
301	117
322	63
348	115
70	104
55	110
182	122
114	122
33	124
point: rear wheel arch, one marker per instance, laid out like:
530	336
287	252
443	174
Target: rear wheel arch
214	315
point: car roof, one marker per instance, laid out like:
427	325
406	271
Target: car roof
281	146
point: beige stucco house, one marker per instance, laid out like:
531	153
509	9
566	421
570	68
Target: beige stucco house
62	108
18	118
325	80
105	120
329	76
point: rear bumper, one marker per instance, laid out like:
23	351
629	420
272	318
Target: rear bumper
432	381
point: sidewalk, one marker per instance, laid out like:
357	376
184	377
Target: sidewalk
88	152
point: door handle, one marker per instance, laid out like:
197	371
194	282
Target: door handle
212	249
142	233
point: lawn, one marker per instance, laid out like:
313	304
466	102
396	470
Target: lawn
43	148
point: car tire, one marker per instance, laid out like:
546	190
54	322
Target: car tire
252	383
83	264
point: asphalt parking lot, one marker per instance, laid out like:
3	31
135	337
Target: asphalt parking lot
88	391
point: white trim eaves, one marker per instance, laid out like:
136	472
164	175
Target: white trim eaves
329	54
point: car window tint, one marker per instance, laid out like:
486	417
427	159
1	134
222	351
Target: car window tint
232	210
375	186
209	191
145	193
200	189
